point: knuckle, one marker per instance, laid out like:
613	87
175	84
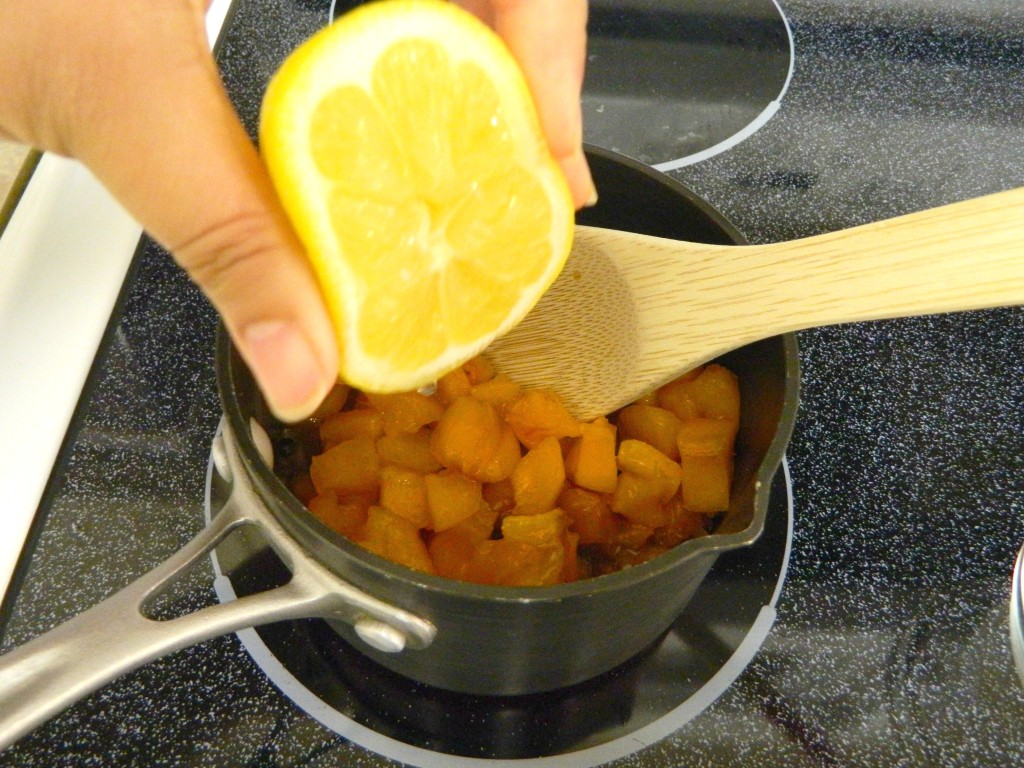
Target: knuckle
227	249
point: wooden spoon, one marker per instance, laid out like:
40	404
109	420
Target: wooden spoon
631	312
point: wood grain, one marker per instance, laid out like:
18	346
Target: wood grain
630	312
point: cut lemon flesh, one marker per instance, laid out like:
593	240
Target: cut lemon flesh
405	147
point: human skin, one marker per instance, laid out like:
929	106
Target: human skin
108	82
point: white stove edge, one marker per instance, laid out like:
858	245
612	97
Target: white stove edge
63	259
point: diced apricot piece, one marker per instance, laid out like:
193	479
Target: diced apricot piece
706	482
645	460
683	524
350	466
503	461
538	478
411	450
500	392
452	385
395	538
716	393
705	437
676	396
342	516
654	426
468	438
404	492
333	402
630	534
342	426
451	498
589	513
406	411
514	563
543	530
540	413
478	370
590	462
642	499
452	549
651	398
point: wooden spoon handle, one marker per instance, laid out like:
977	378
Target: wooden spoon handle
967	255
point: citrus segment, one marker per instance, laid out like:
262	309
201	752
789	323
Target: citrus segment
406	150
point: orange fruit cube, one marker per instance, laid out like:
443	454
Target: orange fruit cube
513	563
478	370
706	482
642	499
683	524
705	437
543	530
350	466
540	413
451	498
676	396
345	517
589	514
453	548
500	392
395	538
591	462
404	492
452	385
469	439
645	460
654	426
716	393
406	411
344	425
507	454
410	450
538	478
333	402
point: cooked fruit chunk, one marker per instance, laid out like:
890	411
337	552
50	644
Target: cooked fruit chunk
348	467
410	450
451	498
344	425
538	478
540	413
395	538
590	462
404	492
406	411
655	426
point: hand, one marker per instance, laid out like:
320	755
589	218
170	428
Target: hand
549	39
131	90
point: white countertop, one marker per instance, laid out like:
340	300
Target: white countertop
63	258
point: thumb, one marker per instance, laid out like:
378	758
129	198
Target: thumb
179	160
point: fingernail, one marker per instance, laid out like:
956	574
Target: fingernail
289	373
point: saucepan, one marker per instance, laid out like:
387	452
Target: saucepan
461	637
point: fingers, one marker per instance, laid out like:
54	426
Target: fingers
548	38
152	121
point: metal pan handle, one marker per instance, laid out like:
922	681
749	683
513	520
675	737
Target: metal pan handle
51	672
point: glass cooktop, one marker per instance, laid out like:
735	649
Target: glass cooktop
888	642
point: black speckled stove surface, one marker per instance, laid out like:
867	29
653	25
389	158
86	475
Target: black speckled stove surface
891	641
